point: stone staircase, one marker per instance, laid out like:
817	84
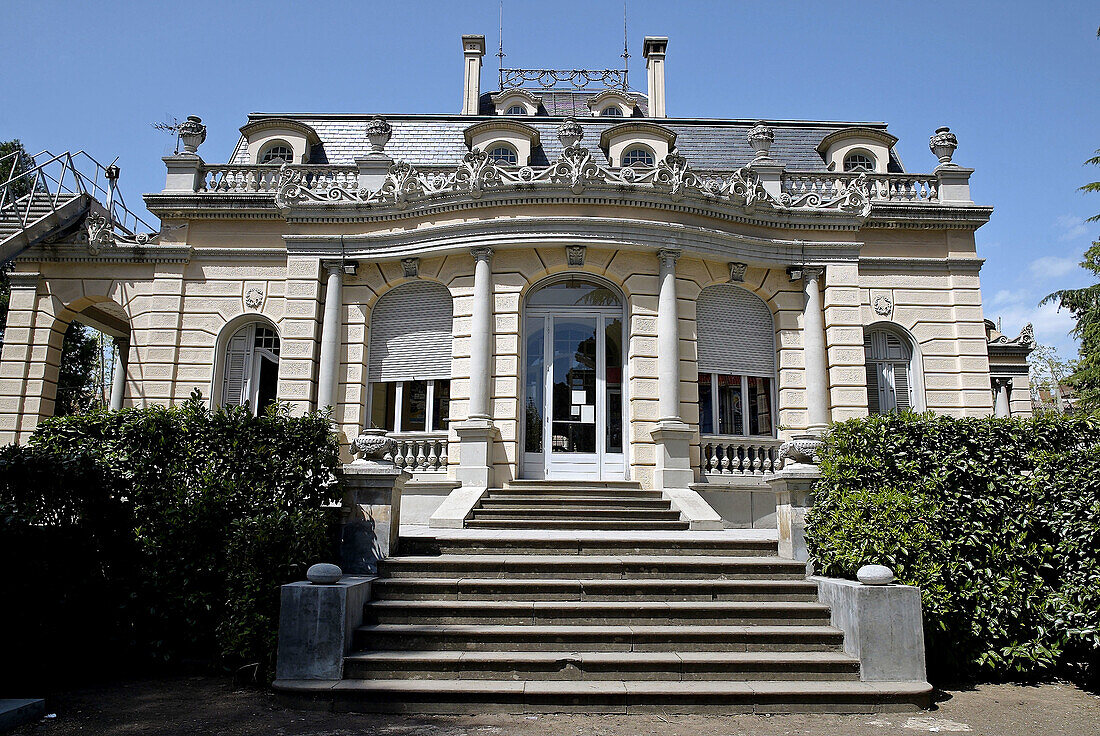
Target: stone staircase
42	218
592	597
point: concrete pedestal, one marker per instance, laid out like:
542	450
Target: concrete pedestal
372	492
793	486
316	624
673	439
475	458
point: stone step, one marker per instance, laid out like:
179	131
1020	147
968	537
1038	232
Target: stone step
526	493
559	589
540	512
565	665
562	501
608	696
609	524
599	638
594	566
572	485
605	544
575	613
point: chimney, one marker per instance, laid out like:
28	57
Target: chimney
473	48
653	49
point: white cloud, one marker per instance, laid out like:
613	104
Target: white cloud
1052	266
1004	296
1072	227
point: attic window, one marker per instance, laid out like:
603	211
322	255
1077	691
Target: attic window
858	162
638	156
516	110
502	154
277	154
611	111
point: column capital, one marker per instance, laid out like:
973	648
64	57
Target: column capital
668	256
482	253
343	266
812	273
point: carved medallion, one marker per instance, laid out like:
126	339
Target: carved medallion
254	297
882	305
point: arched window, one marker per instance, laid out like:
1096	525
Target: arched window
503	154
278	153
251	374
859	162
638	156
611	111
736	343
516	110
410	358
889	360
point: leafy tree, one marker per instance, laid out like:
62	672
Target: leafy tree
1048	371
76	377
14	166
1084	305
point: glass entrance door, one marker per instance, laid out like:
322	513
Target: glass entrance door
574	396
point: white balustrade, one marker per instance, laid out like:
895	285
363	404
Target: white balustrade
419	452
264	178
910	188
731	455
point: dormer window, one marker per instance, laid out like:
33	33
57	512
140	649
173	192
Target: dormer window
611	111
516	110
515	102
501	153
611	103
859	162
278	153
638	156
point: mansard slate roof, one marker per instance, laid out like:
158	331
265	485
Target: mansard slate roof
438	140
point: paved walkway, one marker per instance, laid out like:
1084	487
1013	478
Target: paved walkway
205	705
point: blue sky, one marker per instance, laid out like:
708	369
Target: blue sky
1017	82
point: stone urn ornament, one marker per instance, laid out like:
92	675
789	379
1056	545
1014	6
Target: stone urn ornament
570	132
943	143
372	446
192	133
378	133
761	138
802	449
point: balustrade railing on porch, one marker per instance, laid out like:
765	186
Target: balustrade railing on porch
420	452
728	456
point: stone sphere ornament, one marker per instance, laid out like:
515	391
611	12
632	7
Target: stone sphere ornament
875	575
324	573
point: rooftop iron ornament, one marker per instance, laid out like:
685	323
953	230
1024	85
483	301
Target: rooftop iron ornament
565	79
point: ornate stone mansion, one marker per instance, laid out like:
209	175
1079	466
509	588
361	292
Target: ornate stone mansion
573	315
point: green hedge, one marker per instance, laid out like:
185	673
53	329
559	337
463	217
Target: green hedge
997	521
161	534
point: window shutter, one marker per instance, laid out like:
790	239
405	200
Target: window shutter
238	367
873	406
735	332
410	333
901	387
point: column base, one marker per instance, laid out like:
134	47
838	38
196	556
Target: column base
673	439
475	441
792	486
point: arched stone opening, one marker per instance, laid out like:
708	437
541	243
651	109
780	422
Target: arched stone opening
87	354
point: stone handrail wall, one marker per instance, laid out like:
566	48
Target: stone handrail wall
264	178
733	455
419	452
908	188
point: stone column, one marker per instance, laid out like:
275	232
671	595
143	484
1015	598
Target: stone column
330	335
476	433
672	435
118	378
813	348
1002	389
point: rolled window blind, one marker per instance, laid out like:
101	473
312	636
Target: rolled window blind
736	334
410	333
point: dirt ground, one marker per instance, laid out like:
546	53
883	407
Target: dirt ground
197	706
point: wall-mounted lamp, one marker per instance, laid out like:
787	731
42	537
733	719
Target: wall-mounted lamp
794	273
350	267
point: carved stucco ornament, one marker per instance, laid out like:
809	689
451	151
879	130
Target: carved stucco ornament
737	272
575	255
761	138
411	267
192	133
254	297
570	132
882	305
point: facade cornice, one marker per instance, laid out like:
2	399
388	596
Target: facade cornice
79	253
893	265
898	215
638	235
